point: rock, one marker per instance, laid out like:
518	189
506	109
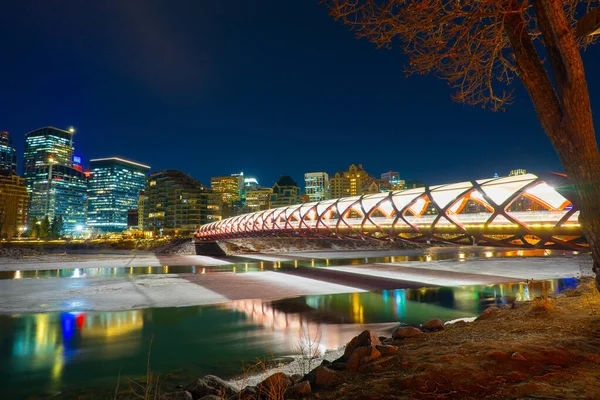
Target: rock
176	396
366	338
211	397
338	366
298	390
247	393
387	349
326	377
433	325
488	312
378	365
362	356
296	378
210	384
406	332
274	386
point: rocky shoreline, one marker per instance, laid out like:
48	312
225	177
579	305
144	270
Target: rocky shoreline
366	352
544	348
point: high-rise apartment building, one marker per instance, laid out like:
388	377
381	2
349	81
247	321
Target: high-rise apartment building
178	204
355	181
14	201
114	187
285	193
60	191
258	199
8	154
44	146
316	185
227	187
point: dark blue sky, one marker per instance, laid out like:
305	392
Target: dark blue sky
267	87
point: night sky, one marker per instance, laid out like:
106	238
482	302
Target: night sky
266	87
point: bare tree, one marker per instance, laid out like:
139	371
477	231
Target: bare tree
480	46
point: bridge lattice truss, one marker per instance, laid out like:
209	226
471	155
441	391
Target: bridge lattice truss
524	210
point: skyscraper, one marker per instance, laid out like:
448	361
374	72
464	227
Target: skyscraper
44	146
316	185
8	154
60	191
113	190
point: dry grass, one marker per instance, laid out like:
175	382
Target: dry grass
546	348
264	367
149	389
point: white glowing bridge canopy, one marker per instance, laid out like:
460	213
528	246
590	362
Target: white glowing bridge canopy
518	210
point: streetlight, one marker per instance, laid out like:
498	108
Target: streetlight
589	24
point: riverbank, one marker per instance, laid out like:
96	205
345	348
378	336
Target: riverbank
545	348
114	282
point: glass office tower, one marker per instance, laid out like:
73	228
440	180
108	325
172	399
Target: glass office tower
60	191
8	154
114	186
44	146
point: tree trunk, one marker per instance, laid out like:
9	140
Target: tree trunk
564	112
585	173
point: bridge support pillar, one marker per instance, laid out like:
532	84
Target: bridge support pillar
209	248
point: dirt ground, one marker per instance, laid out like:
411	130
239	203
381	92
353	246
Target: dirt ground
544	349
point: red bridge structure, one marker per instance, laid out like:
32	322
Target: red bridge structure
530	211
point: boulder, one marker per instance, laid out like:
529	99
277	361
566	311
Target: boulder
385	349
176	396
298	390
210	384
433	325
488	312
247	393
406	332
338	366
274	386
325	377
362	356
366	338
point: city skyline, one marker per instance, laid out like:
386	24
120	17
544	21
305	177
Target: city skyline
313	84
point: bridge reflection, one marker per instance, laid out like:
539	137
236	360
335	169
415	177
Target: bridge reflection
528	211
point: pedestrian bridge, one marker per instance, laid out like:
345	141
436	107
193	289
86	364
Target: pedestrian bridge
520	211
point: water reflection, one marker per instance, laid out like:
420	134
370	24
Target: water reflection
44	353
